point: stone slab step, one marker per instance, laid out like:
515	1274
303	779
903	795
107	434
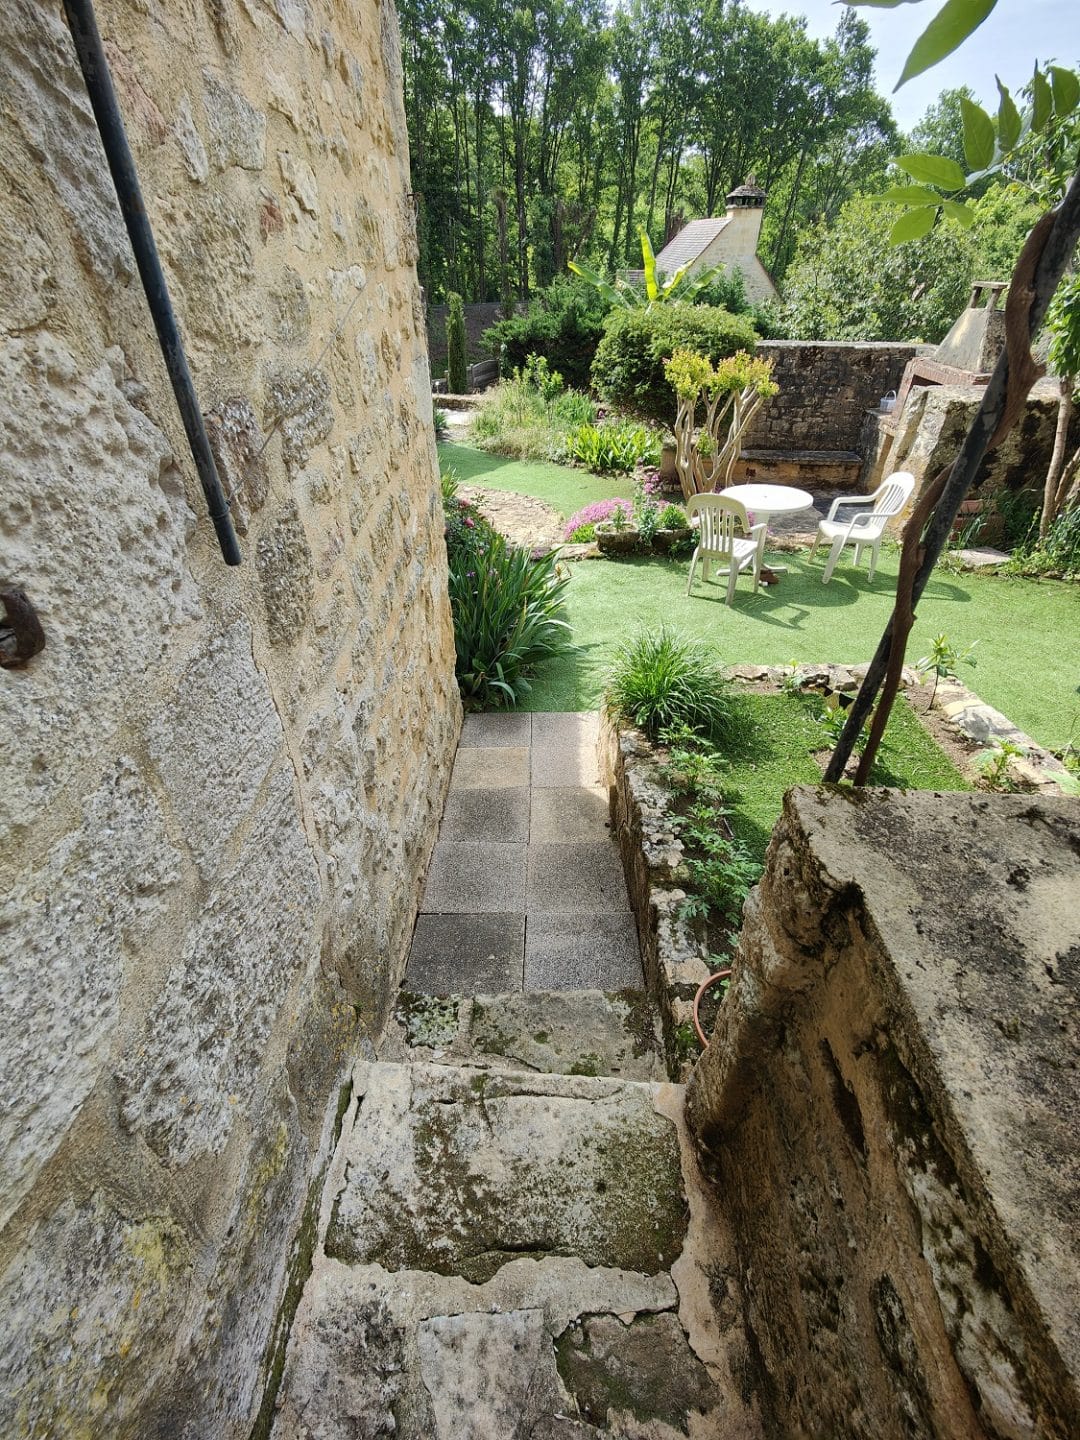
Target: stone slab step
558	1032
511	1256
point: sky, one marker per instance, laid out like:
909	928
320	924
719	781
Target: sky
1009	41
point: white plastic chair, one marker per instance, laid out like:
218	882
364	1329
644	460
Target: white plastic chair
719	540
866	527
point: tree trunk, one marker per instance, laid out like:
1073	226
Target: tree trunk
1037	275
1053	493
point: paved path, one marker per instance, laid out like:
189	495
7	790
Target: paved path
525	889
515	1241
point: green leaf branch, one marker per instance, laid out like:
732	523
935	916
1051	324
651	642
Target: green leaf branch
989	140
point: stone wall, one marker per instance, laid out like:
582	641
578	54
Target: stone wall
930	430
220	786
478	318
825	386
889	1109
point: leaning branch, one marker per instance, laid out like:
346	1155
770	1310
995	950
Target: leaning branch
1038	272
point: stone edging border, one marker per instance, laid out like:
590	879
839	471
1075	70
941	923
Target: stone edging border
969	717
673	955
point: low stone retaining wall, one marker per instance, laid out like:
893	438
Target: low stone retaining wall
889	1108
673	953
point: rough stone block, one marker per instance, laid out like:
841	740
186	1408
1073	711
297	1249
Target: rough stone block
122	536
459	1171
896	1055
300	400
71	926
215	742
237	444
89	1282
237	129
197	1071
286	575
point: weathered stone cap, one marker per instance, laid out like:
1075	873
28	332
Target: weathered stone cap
976	901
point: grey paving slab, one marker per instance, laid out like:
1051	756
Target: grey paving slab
584	951
466	954
569	814
562	766
496	730
584	876
486	815
467	878
565	728
491	767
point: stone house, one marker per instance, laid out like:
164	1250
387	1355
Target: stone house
221	785
730	240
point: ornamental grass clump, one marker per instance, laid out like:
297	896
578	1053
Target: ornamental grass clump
659	680
508	607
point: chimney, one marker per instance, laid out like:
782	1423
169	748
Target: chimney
744	210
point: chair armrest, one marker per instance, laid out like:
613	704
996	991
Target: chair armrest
843	501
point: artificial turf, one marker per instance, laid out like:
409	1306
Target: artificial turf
781	740
565	489
1028	655
1028	632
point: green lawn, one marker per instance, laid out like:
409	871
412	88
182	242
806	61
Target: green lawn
560	486
1028	631
786	733
1028	653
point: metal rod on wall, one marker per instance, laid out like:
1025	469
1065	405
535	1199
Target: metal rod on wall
84	31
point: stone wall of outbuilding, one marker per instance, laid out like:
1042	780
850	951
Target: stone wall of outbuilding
825	388
220	786
889	1108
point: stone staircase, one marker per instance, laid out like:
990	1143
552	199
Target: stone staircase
515	1240
515	1254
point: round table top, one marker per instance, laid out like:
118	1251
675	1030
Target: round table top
771	499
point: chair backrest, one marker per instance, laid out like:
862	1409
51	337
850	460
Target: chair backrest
722	520
892	494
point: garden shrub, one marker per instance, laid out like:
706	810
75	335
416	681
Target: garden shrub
628	369
508	607
673	517
613	447
456	361
563	323
1056	554
529	415
659	680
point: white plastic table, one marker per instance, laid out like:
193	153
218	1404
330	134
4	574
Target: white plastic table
765	501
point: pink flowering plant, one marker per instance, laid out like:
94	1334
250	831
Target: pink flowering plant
581	528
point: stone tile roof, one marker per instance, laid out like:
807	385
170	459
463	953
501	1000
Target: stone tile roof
688	244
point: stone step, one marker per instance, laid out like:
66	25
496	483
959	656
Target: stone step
556	1032
513	1255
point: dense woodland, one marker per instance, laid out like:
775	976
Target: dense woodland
550	129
